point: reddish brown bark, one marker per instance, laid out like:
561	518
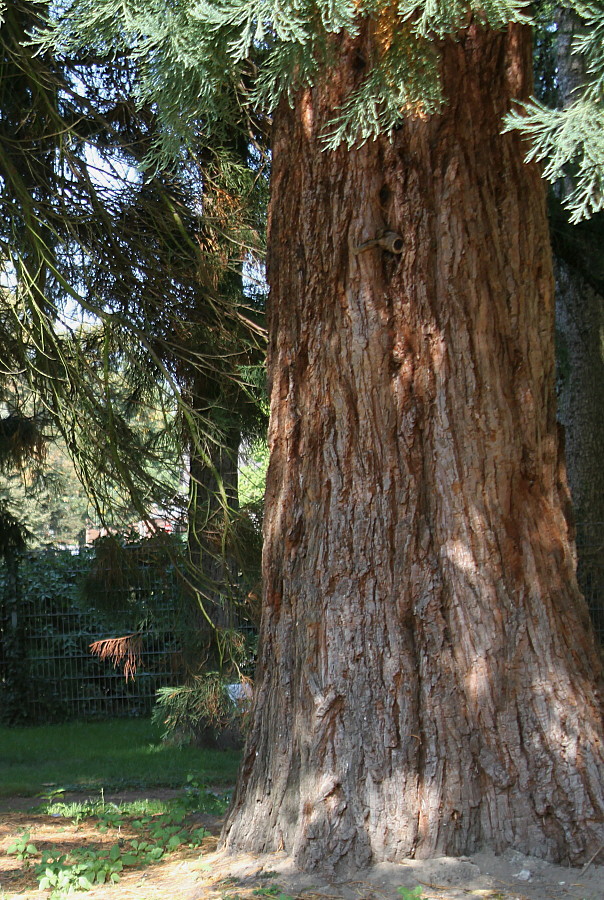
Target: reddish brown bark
426	680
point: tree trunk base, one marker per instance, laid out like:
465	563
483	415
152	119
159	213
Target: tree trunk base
427	677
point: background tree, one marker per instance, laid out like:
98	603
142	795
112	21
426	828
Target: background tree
560	79
570	139
50	502
426	677
579	321
154	260
127	303
22	455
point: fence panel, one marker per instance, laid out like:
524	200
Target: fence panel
47	672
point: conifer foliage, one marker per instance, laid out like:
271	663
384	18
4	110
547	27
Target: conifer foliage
197	56
120	287
571	140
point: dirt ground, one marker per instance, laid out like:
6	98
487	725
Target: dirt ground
210	875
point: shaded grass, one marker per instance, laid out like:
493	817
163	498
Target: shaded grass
119	753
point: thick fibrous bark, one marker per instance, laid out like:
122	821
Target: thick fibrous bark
426	680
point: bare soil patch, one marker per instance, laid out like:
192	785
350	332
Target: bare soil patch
207	874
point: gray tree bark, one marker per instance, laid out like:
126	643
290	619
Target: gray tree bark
579	330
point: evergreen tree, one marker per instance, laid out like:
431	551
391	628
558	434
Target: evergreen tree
149	259
579	320
571	140
127	294
427	676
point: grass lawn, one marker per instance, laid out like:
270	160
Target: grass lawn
118	753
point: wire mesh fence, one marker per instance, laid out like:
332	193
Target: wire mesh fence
48	622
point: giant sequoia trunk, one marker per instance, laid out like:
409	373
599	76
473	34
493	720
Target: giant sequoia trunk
426	680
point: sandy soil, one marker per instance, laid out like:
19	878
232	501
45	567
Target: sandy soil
191	875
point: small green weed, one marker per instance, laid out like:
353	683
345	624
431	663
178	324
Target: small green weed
158	834
22	848
410	893
274	892
109	814
199	798
81	872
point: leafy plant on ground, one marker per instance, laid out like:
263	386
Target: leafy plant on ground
22	848
84	869
410	893
274	892
159	834
270	892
